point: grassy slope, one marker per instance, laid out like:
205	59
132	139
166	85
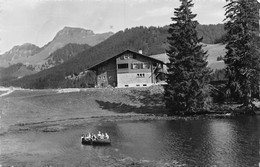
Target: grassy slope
40	109
40	106
215	51
14	71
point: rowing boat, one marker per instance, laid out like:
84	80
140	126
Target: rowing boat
98	141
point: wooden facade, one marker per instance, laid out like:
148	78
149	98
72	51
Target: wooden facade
106	73
128	69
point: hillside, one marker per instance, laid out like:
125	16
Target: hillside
151	40
18	52
57	57
65	36
212	34
63	54
214	51
15	71
30	106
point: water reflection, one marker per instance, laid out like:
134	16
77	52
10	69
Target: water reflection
220	142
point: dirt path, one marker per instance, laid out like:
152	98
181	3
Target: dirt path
6	90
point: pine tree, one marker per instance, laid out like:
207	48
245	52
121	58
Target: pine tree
188	76
242	57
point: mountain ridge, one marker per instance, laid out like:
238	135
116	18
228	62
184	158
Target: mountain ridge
65	36
18	51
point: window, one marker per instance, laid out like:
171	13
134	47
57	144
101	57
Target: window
146	66
140	66
126	56
140	75
137	66
122	66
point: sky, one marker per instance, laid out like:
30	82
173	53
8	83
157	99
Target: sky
38	21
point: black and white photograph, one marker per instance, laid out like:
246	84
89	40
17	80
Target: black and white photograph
129	83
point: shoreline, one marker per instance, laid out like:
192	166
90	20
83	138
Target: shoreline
68	124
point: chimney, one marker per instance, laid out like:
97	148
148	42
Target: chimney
140	51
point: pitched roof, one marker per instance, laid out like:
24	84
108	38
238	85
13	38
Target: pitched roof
153	59
162	57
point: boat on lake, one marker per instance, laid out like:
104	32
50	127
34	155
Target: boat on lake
85	141
92	139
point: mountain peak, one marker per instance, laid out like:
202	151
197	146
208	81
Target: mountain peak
33	55
73	31
29	46
18	52
24	46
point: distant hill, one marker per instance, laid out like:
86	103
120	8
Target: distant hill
212	34
57	57
36	56
15	71
63	54
152	40
18	52
214	51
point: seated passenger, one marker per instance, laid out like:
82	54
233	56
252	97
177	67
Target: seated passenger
99	134
82	136
106	136
94	137
88	136
102	136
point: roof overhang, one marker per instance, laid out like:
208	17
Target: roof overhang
118	55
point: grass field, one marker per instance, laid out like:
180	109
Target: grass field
214	51
23	109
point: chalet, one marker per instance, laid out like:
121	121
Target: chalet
128	69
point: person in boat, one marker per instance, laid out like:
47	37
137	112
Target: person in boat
88	137
106	136
82	136
102	136
94	137
99	134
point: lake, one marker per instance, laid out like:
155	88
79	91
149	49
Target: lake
204	141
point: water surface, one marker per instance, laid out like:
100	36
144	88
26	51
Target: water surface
196	142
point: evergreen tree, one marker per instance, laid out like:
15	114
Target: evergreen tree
242	57
188	75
